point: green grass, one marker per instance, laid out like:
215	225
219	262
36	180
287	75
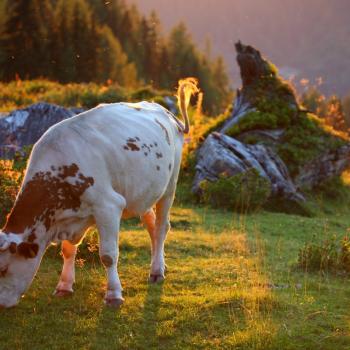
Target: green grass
20	94
231	284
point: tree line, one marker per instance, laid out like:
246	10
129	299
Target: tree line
94	40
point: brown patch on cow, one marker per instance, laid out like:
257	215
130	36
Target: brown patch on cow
146	146
43	195
13	248
67	171
28	250
165	130
158	167
3	272
159	155
107	261
133	147
131	144
32	237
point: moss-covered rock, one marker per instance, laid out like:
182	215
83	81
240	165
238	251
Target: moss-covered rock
273	105
306	140
271	134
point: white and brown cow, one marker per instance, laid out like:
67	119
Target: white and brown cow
114	161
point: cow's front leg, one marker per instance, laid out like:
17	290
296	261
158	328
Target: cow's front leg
162	226
67	279
107	219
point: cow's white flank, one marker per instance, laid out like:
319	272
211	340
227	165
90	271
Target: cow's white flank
114	161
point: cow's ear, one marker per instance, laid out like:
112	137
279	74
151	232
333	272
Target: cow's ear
28	250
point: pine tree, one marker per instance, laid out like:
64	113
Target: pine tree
63	49
112	62
184	60
83	44
75	38
153	50
221	84
127	33
25	38
164	68
93	40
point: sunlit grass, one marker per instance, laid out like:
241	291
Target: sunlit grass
231	283
20	94
346	177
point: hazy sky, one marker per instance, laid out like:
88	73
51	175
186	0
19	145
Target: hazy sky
308	37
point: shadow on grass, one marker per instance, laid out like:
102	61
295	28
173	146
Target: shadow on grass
150	319
127	328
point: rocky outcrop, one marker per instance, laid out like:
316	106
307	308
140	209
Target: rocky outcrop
24	127
326	166
270	132
223	154
254	70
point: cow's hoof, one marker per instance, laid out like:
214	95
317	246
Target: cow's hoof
114	303
60	293
154	278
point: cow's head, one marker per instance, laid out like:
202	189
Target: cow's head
19	261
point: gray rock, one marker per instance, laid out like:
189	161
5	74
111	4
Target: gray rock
328	165
221	153
24	127
240	109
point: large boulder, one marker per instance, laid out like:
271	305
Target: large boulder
223	154
23	127
270	132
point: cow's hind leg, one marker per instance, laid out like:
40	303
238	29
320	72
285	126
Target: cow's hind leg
149	220
107	216
67	279
162	226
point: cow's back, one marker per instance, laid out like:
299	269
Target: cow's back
132	149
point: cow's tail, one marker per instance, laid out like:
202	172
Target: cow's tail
187	87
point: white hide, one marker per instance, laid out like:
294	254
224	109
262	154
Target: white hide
131	181
95	141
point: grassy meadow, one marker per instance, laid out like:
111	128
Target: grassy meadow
236	279
232	283
232	280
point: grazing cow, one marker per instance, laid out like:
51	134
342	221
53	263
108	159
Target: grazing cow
114	161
